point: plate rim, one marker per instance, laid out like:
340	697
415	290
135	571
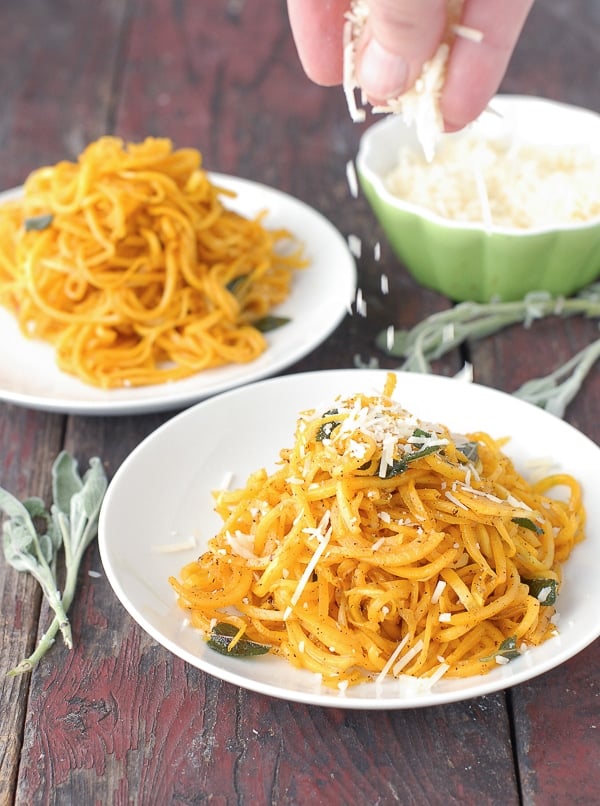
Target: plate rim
487	684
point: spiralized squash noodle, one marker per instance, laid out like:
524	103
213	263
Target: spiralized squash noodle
384	546
129	262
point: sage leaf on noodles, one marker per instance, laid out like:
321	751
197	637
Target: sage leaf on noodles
527	523
506	651
544	590
71	524
27	551
325	429
38	222
268	323
221	640
441	332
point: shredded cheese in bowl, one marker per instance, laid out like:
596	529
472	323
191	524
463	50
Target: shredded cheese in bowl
501	182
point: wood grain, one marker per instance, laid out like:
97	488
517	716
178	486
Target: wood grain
119	719
29	443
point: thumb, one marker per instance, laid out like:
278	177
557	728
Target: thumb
399	37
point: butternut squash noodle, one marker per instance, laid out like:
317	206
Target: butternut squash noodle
131	265
385	546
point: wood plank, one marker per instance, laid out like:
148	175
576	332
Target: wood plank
557	728
557	716
56	95
558	54
29	441
55	89
68	731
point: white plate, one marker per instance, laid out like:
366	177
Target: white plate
161	494
320	297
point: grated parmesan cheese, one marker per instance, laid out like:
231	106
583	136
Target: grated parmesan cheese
355	245
407	657
418	106
173	548
391	660
310	567
352	179
390	336
482	176
361	303
439	589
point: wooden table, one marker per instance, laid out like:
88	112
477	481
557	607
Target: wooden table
120	720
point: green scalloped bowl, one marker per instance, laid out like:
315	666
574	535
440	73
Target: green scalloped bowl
466	261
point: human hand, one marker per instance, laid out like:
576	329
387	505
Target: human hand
400	36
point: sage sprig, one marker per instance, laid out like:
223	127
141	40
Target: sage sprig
27	551
441	332
71	523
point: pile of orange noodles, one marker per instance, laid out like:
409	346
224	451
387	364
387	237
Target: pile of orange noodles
131	265
383	546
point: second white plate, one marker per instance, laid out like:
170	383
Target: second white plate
321	296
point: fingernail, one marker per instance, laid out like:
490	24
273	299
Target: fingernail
381	74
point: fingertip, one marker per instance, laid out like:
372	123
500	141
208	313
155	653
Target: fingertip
459	111
472	80
317	30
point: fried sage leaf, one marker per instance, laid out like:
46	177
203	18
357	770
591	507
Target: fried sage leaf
221	637
527	523
544	590
38	222
268	323
325	429
506	651
401	465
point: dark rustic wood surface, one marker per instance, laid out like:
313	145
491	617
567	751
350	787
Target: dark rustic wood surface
120	720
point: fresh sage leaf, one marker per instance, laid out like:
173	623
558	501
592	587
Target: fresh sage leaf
65	481
470	321
28	552
71	523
